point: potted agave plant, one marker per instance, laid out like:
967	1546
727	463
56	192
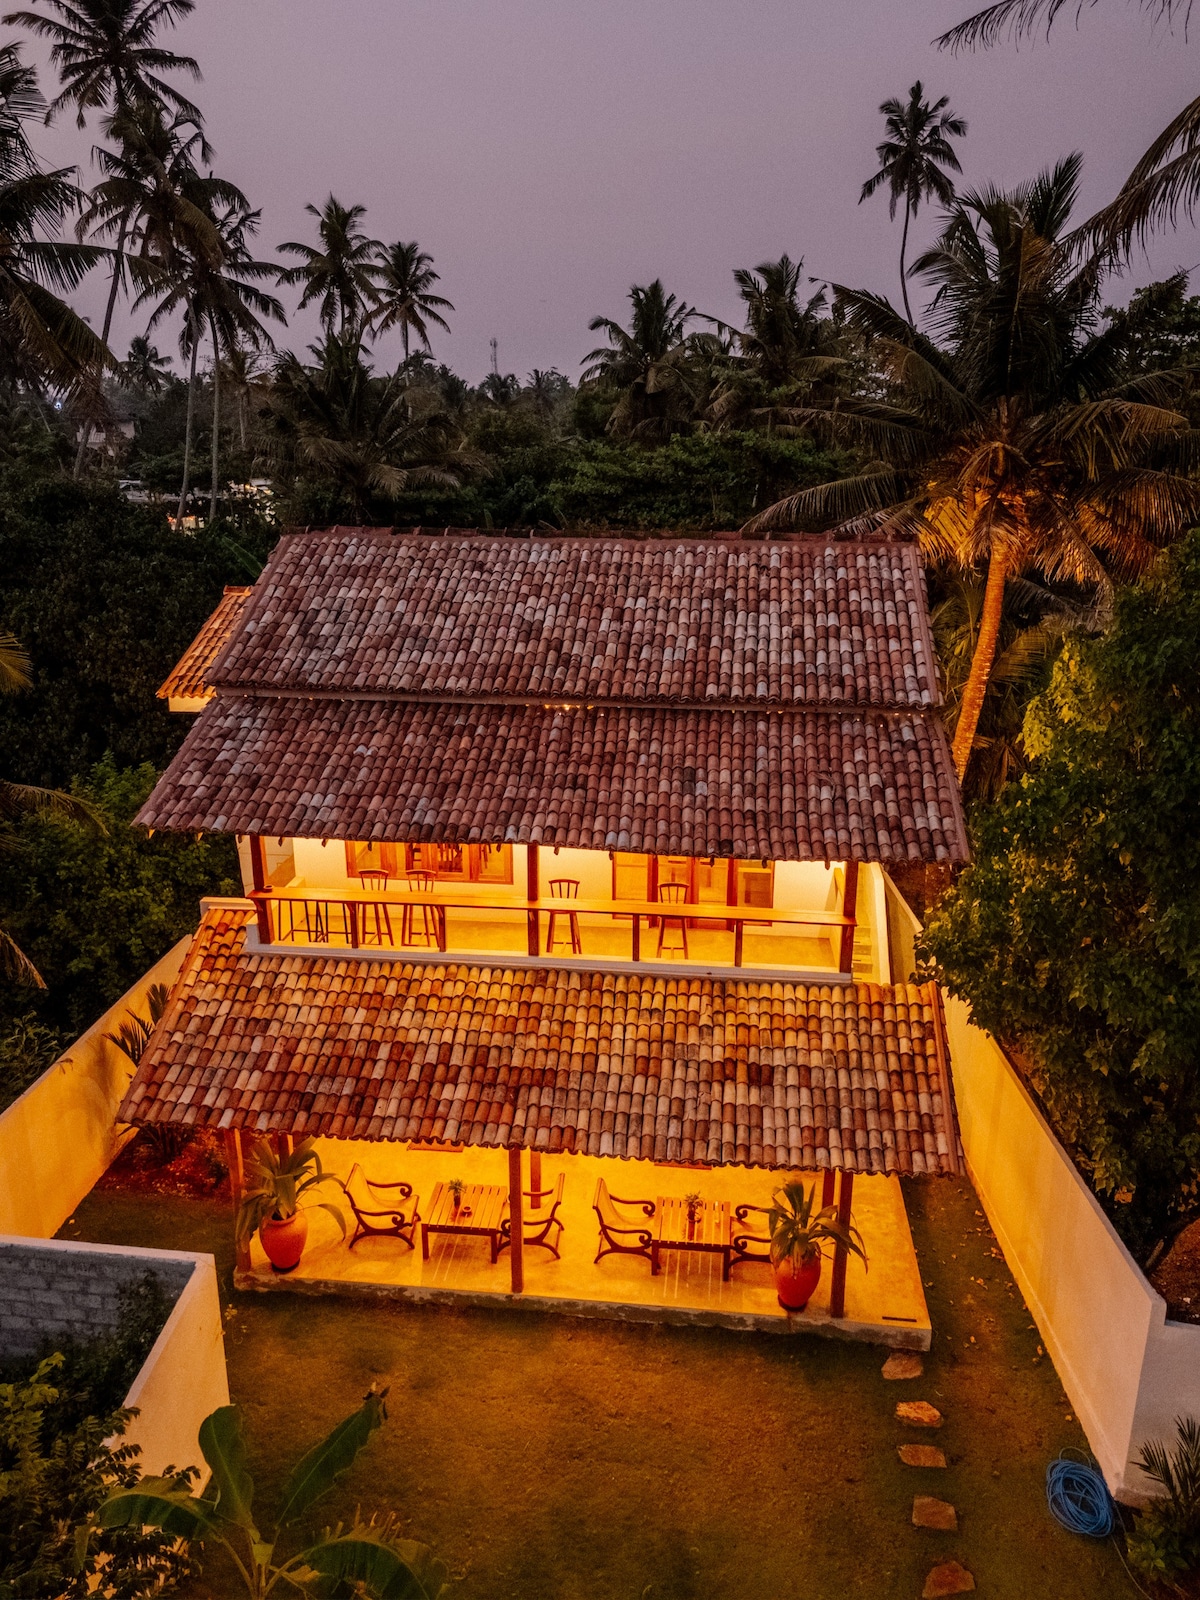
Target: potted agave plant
798	1231
272	1208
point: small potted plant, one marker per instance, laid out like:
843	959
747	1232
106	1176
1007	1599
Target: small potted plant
693	1202
797	1233
271	1207
455	1187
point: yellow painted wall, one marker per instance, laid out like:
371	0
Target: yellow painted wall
60	1135
1127	1370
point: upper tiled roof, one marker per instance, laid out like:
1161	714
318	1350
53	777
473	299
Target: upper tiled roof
685	621
787	785
189	677
770	1074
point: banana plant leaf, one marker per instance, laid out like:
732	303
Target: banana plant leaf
158	1503
369	1561
232	1488
325	1462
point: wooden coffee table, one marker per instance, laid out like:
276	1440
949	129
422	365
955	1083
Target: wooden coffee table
711	1231
482	1209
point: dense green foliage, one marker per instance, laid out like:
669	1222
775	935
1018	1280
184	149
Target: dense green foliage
59	1413
95	910
1075	932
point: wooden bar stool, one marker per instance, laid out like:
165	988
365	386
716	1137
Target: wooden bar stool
674	894
420	925
376	918
565	889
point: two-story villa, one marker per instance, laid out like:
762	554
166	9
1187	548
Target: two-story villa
570	845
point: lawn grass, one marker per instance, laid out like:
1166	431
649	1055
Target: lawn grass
546	1458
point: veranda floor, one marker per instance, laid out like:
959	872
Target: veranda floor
885	1304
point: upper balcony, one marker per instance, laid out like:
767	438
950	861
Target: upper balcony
587	908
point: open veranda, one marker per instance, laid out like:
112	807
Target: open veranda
556	1458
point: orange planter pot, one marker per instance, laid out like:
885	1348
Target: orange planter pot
284	1241
795	1281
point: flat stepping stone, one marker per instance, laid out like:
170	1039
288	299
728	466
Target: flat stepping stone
903	1365
919	1414
948	1577
922	1455
931	1513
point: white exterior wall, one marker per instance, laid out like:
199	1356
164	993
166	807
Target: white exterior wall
61	1134
1128	1371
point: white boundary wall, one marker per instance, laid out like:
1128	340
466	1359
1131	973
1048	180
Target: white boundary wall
1127	1370
183	1378
60	1135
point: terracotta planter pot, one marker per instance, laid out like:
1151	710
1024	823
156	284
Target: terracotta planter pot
796	1280
284	1241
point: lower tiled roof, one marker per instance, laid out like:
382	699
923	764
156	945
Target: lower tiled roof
768	1074
188	679
785	785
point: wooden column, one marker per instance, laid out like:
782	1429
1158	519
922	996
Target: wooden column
532	892
837	1287
827	1182
236	1162
849	909
258	872
535	1176
516	1219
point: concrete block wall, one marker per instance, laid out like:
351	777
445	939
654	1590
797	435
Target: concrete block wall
46	1293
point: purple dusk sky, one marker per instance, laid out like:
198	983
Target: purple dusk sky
549	153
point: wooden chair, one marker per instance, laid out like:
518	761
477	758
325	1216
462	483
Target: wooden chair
421	925
672	894
565	889
376	919
394	1221
621	1234
750	1240
541	1220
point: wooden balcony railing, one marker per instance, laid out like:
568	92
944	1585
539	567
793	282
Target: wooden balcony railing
377	919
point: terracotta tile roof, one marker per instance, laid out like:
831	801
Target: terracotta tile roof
188	679
356	611
787	785
770	1074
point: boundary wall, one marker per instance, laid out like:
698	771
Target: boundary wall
1129	1372
58	1137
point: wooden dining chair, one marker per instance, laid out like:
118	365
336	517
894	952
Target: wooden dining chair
672	894
419	924
565	889
376	918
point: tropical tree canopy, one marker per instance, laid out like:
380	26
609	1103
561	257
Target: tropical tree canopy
404	286
646	363
1011	441
338	274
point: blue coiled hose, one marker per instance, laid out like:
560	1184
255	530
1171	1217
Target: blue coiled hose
1078	1497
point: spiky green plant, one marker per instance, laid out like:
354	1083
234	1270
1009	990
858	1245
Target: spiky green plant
798	1229
277	1185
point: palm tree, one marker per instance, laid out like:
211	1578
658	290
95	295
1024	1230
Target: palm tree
143	368
911	159
341	273
217	291
43	342
405	278
21	800
105	53
369	437
647	363
1165	184
1016	444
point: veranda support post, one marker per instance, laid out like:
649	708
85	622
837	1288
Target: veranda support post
236	1162
258	872
516	1219
850	910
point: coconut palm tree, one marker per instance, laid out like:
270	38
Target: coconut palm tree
218	294
21	800
405	278
912	158
105	53
368	437
647	363
43	342
1015	443
341	273
143	368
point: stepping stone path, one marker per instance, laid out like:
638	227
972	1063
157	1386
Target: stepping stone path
949	1577
921	1455
930	1513
902	1365
919	1414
